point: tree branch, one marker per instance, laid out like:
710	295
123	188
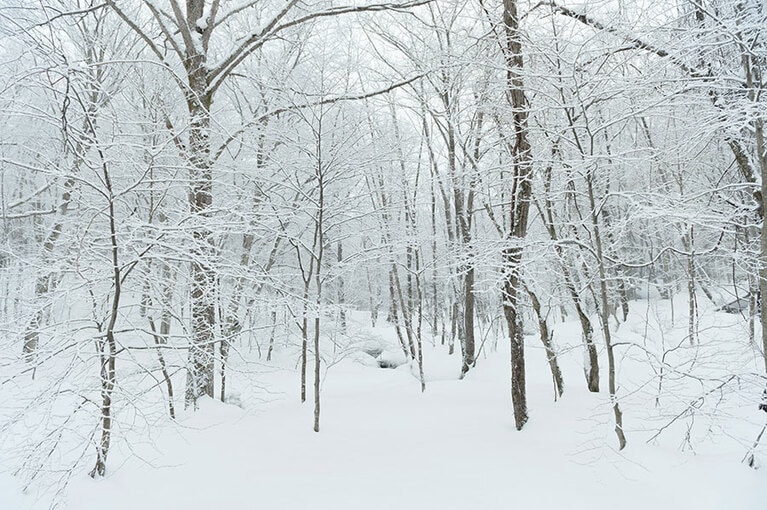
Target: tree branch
256	40
741	158
635	42
321	102
68	13
168	35
235	10
137	29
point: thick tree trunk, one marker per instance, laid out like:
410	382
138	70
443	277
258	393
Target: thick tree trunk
512	257
466	271
592	369
468	320
200	374
519	208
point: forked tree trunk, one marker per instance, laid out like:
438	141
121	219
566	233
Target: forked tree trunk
187	33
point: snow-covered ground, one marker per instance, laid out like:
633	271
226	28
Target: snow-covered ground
384	444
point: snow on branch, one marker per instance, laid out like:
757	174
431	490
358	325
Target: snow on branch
321	102
220	71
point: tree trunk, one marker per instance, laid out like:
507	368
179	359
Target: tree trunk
519	208
108	359
304	340
512	258
468	320
273	316
158	342
548	345
605	317
200	374
587	331
692	330
760	147
341	292
395	314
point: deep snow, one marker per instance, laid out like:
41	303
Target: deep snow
383	444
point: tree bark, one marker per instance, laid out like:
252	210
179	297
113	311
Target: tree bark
200	374
521	156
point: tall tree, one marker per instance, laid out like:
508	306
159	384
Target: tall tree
518	145
188	32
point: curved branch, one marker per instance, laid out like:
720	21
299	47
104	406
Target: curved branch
137	30
321	102
741	158
256	40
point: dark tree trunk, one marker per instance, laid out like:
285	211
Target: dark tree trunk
468	320
341	292
519	207
108	345
546	339
587	331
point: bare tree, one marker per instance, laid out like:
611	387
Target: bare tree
518	146
189	33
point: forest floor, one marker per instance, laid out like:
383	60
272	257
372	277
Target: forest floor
383	444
